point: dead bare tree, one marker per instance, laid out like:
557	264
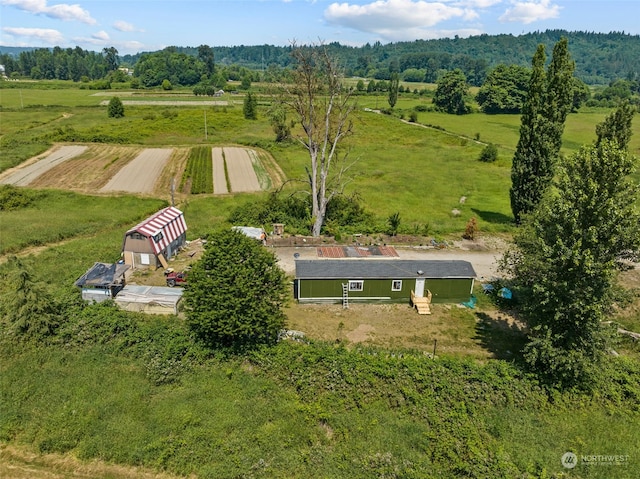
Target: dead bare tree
323	107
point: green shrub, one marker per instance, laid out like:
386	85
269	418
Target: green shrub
115	108
489	153
12	198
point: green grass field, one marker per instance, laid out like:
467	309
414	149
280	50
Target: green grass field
135	390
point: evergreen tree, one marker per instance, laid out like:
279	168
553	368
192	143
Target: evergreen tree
115	109
530	172
236	292
29	310
393	89
250	107
549	100
558	95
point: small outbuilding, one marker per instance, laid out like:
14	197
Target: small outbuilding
152	242
102	281
383	280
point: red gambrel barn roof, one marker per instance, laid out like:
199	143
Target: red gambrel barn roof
162	228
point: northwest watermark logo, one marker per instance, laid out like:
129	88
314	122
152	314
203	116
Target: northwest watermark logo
570	460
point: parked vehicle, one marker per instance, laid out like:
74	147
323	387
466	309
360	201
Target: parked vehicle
175	278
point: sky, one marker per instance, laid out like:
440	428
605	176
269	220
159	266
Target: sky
148	25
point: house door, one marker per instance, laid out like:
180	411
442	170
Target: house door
419	287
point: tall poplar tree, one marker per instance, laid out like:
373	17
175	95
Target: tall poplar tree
617	126
549	100
567	255
250	107
394	85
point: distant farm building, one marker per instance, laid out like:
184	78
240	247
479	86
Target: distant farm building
383	280
102	281
152	242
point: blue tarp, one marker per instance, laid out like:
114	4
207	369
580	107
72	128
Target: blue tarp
505	293
471	303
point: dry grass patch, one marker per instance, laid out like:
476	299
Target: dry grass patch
21	463
393	326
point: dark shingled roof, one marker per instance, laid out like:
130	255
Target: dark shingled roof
384	268
102	274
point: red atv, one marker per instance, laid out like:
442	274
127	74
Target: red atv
175	278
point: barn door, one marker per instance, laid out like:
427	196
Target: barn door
419	291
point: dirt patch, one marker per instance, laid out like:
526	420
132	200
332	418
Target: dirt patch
140	174
30	171
88	171
220	186
450	328
20	463
240	171
361	334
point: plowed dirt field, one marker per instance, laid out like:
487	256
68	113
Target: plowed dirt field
141	174
150	171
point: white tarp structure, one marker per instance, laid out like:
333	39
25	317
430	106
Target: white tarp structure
149	299
255	233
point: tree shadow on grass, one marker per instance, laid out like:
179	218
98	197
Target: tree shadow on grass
500	334
493	217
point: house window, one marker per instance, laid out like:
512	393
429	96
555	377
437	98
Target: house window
396	285
158	237
356	285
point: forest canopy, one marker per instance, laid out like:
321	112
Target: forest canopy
601	58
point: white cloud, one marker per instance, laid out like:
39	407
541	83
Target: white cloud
101	36
478	3
397	20
53	37
62	11
529	12
123	26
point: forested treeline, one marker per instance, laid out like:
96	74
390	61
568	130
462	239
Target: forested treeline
61	64
601	58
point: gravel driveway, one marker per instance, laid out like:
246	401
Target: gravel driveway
484	262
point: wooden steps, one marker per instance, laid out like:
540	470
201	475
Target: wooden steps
421	303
